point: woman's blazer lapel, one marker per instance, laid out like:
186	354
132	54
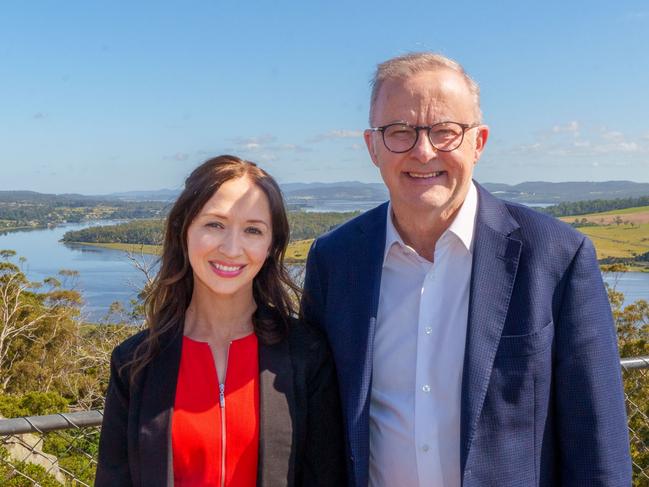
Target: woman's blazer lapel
154	432
277	414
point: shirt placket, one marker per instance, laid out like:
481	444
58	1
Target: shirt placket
425	408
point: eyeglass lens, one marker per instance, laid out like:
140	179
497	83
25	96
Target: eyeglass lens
445	136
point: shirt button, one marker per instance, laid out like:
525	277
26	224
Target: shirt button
426	388
425	447
428	330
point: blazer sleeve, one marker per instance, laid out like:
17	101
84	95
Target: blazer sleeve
591	416
113	465
323	460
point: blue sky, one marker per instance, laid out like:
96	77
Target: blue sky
105	96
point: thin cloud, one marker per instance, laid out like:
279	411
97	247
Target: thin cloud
337	134
569	128
617	147
178	156
573	140
264	148
253	142
612	135
39	116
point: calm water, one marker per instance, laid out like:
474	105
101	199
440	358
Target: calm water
107	275
634	285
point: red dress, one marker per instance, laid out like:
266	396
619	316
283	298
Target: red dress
216	432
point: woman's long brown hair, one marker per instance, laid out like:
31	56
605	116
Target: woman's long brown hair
171	291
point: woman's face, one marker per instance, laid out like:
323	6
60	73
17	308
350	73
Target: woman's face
230	238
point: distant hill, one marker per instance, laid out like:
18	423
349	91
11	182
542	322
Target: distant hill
46	198
544	192
155	195
307	194
353	191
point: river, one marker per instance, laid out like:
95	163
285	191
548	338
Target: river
107	275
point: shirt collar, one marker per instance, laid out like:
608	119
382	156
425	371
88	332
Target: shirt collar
462	226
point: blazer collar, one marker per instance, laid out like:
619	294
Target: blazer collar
495	263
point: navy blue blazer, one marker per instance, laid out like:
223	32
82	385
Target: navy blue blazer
542	399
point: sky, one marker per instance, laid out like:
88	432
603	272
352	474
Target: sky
108	95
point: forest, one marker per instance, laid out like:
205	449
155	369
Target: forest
594	206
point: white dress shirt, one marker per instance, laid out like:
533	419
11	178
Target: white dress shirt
418	357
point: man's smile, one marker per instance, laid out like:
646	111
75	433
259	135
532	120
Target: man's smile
425	175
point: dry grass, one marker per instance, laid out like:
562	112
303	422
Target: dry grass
298	250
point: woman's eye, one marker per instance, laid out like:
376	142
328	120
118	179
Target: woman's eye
214	225
254	230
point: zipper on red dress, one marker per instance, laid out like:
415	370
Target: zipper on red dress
223	432
223	429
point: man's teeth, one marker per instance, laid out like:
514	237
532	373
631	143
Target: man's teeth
425	175
226	268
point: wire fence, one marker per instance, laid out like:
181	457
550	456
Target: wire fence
635	372
61	449
49	451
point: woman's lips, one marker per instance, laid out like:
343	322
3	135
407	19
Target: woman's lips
226	270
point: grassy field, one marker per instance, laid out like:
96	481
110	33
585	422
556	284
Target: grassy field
619	240
298	250
295	254
624	237
626	211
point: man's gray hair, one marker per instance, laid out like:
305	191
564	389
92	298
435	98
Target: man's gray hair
420	62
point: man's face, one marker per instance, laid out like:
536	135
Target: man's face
424	180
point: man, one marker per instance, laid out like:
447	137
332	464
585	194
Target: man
473	337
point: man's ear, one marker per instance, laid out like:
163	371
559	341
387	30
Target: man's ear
369	142
482	134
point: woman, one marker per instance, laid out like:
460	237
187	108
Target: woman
225	387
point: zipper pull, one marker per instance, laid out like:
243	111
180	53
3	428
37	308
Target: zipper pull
222	395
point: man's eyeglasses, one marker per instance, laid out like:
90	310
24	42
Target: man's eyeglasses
401	137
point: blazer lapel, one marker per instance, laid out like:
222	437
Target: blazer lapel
495	262
158	394
363	294
276	408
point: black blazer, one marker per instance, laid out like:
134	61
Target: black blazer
300	437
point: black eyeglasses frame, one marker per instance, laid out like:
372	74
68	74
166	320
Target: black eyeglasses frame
464	126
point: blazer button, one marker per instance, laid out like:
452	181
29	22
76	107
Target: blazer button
351	458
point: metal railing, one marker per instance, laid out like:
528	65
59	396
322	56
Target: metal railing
635	373
61	449
48	451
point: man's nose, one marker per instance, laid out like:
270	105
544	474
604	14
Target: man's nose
423	151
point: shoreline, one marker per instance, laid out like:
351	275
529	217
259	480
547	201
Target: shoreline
295	253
